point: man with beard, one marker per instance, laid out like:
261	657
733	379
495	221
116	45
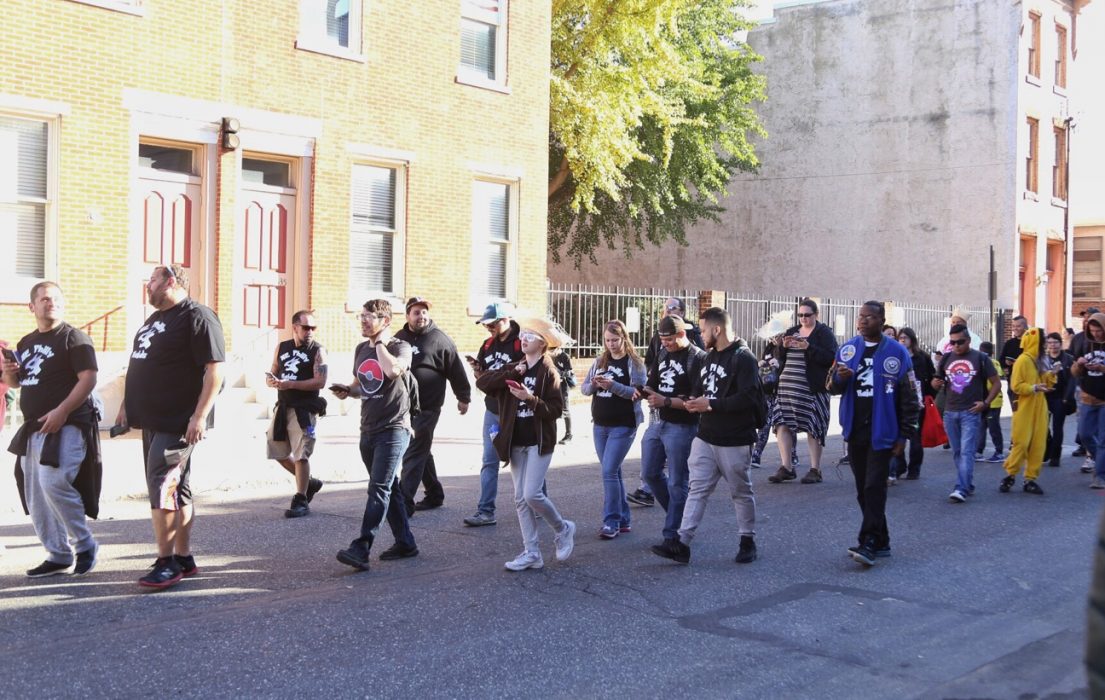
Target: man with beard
434	360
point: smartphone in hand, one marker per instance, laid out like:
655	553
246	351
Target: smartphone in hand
514	385
10	355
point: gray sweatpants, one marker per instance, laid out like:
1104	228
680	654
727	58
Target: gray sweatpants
707	464
57	511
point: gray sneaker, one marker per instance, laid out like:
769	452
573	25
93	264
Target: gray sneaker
480	519
565	541
1097	483
526	560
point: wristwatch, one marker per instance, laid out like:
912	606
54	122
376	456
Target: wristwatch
667	402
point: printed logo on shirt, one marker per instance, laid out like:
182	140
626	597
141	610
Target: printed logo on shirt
712	374
865	378
371	377
32	360
145	337
891	365
1097	357
610	373
291	361
524	409
496	360
669	371
415	350
847	353
960	374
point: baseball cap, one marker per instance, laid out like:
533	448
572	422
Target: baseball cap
415	301
495	311
670	325
1090	311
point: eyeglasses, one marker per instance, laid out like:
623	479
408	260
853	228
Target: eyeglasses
673	307
306	328
961	341
366	316
804	315
529	336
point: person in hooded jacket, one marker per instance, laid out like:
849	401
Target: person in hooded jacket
1060	402
1089	368
1031	382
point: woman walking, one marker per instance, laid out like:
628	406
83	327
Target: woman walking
529	401
805	354
924	371
616	413
563	365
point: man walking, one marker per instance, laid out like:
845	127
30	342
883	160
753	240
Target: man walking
172	380
434	360
671	428
1010	351
1089	368
966	373
878	414
729	401
298	373
379	365
501	349
58	447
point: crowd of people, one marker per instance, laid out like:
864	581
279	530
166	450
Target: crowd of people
710	405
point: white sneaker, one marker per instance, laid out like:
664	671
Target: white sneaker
1097	483
1088	465
957	497
565	541
526	560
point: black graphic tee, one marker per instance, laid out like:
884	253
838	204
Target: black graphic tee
672	376
384	402
50	362
864	386
167	364
525	425
966	379
296	363
1093	383
608	409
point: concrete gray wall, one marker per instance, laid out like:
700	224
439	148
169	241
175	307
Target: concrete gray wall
890	167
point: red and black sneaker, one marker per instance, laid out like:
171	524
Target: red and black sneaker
166	572
187	565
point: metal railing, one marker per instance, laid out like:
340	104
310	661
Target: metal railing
584	310
104	321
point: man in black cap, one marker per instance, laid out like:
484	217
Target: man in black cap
434	360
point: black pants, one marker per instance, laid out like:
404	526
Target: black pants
991	420
871	468
915	453
1055	437
418	461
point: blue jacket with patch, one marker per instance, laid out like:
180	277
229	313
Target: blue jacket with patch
894	405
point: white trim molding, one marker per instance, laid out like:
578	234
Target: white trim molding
395	155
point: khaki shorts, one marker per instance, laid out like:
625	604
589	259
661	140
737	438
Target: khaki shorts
298	447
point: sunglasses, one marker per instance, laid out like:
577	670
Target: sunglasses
804	315
529	337
367	316
961	341
306	328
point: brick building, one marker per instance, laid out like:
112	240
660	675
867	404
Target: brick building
383	149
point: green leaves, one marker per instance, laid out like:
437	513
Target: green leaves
649	119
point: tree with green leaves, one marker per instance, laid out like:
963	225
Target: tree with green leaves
650	117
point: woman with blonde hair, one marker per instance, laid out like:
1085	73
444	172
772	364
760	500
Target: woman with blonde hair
616	413
529	401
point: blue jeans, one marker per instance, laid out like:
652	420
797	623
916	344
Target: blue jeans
381	453
612	445
668	442
963	428
1091	427
489	471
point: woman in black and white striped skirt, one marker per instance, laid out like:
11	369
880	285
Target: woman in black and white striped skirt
805	354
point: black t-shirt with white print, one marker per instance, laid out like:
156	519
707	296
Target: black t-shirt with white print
51	361
1093	383
525	425
384	402
672	376
167	364
864	387
296	363
608	409
967	379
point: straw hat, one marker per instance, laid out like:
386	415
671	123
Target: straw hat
960	312
550	331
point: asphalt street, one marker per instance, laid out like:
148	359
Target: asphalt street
981	600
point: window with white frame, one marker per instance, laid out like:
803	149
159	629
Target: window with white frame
376	230
330	26
483	36
131	7
493	234
25	205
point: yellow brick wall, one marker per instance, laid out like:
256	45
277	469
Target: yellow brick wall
242	53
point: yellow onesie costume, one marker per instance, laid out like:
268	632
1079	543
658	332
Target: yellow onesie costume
1030	419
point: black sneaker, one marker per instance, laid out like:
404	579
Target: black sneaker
865	554
313	486
187	565
881	552
1032	487
166	572
747	552
782	475
1053	462
566	439
1079	452
86	560
47	568
672	549
813	476
356	555
298	508
1007	483
641	498
398	551
429	503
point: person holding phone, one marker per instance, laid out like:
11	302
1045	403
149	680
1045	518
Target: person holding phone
298	374
528	398
616	413
1032	379
804	354
58	468
1089	368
